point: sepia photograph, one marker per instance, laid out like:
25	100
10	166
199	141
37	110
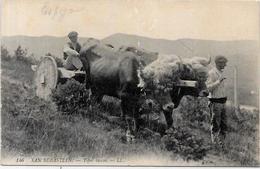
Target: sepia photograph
130	83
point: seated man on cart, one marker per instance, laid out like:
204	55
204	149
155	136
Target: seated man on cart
71	53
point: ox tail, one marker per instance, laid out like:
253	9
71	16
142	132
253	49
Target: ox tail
209	60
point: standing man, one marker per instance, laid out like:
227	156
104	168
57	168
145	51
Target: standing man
71	53
218	98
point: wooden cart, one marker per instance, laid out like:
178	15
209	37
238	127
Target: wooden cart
48	75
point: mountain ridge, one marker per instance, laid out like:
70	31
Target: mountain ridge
124	34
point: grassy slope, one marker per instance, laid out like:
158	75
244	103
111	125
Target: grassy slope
32	126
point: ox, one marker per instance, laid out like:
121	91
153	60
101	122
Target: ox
192	69
113	73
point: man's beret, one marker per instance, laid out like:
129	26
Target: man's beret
72	34
220	58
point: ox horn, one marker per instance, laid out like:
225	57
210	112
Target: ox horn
209	60
181	63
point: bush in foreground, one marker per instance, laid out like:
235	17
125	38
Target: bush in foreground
182	141
71	97
185	136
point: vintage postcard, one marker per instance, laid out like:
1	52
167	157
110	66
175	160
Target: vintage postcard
130	83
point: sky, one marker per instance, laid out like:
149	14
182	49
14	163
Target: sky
162	19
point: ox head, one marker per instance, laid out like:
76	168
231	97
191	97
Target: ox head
154	96
201	75
90	42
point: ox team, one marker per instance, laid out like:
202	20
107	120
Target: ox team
215	85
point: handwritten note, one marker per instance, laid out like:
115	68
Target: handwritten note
57	12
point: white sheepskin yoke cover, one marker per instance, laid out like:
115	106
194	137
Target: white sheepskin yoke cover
163	71
167	70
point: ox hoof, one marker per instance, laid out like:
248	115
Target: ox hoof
133	139
130	138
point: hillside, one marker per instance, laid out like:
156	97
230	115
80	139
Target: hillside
32	127
242	53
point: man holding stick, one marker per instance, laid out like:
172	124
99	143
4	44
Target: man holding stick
218	98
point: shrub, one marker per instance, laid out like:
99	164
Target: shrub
183	141
193	112
185	136
71	97
5	54
21	54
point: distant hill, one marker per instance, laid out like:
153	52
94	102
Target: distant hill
39	46
184	47
242	53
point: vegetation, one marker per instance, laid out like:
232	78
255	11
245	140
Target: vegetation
71	97
183	141
186	136
5	54
68	126
21	54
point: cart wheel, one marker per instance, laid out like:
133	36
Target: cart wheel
46	77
